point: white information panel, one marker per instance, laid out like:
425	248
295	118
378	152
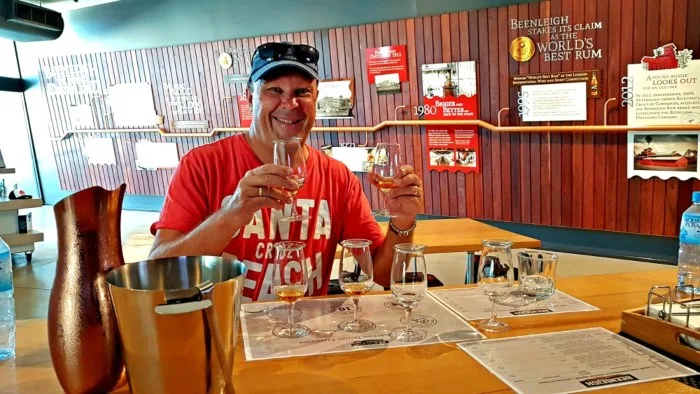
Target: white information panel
554	102
571	361
472	304
323	316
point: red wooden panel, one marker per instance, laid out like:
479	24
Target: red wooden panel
490	114
483	76
611	86
420	53
545	143
626	57
448	182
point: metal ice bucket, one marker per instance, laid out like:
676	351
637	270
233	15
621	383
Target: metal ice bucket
178	320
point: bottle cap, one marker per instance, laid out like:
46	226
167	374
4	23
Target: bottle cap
696	197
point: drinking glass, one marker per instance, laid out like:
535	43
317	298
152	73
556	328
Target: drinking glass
289	281
290	153
409	284
537	272
495	278
387	166
356	278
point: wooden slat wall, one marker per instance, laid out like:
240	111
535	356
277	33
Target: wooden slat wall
571	180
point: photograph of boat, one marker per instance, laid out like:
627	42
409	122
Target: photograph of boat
666	152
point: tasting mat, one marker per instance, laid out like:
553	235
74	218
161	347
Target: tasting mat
323	316
472	304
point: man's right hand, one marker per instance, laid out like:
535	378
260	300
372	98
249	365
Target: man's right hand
261	187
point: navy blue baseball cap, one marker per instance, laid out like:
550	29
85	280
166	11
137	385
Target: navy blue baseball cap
273	55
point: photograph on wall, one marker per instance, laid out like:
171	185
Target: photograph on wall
336	99
664	89
386	60
132	104
388	84
664	155
449	93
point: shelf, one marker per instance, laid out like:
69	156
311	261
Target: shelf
7	170
13	205
22	239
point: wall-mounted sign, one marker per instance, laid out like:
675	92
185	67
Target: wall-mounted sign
553	102
156	155
449	91
99	151
357	159
230	79
225	61
663	90
190	124
81	116
386	60
132	104
556	38
336	99
244	111
591	77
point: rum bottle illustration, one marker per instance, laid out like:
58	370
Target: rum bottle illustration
594	85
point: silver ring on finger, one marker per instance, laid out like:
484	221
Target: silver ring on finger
260	191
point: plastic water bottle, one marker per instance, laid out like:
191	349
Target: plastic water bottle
689	248
7	304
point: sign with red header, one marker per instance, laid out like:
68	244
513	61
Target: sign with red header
449	93
244	111
386	60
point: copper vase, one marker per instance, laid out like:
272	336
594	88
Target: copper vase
83	334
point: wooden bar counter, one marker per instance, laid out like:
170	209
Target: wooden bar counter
438	368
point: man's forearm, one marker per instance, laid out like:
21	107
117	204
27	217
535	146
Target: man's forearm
384	256
208	239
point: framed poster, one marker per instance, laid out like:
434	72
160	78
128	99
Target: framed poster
336	99
386	60
663	89
554	102
449	91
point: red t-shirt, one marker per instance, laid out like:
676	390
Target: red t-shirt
331	196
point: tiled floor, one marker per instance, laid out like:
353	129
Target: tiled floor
33	281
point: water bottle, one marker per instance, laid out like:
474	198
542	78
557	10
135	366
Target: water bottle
689	248
7	304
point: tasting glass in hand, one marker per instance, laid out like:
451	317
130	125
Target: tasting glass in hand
409	284
289	281
290	153
356	278
387	167
495	278
537	273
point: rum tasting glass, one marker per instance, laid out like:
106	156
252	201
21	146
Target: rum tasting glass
495	278
537	273
290	153
409	284
289	282
387	165
356	278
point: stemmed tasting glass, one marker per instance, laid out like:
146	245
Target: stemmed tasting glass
289	281
387	165
495	278
409	284
356	278
290	153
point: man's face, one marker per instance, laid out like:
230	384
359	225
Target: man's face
283	107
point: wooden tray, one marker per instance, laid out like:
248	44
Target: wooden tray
661	334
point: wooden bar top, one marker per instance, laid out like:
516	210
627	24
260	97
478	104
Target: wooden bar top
438	368
462	235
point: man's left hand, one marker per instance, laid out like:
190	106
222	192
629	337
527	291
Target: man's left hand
406	200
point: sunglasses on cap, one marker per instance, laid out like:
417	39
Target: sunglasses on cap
274	51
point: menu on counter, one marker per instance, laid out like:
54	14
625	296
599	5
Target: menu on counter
571	361
323	316
472	304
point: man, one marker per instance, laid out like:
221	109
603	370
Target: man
226	198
